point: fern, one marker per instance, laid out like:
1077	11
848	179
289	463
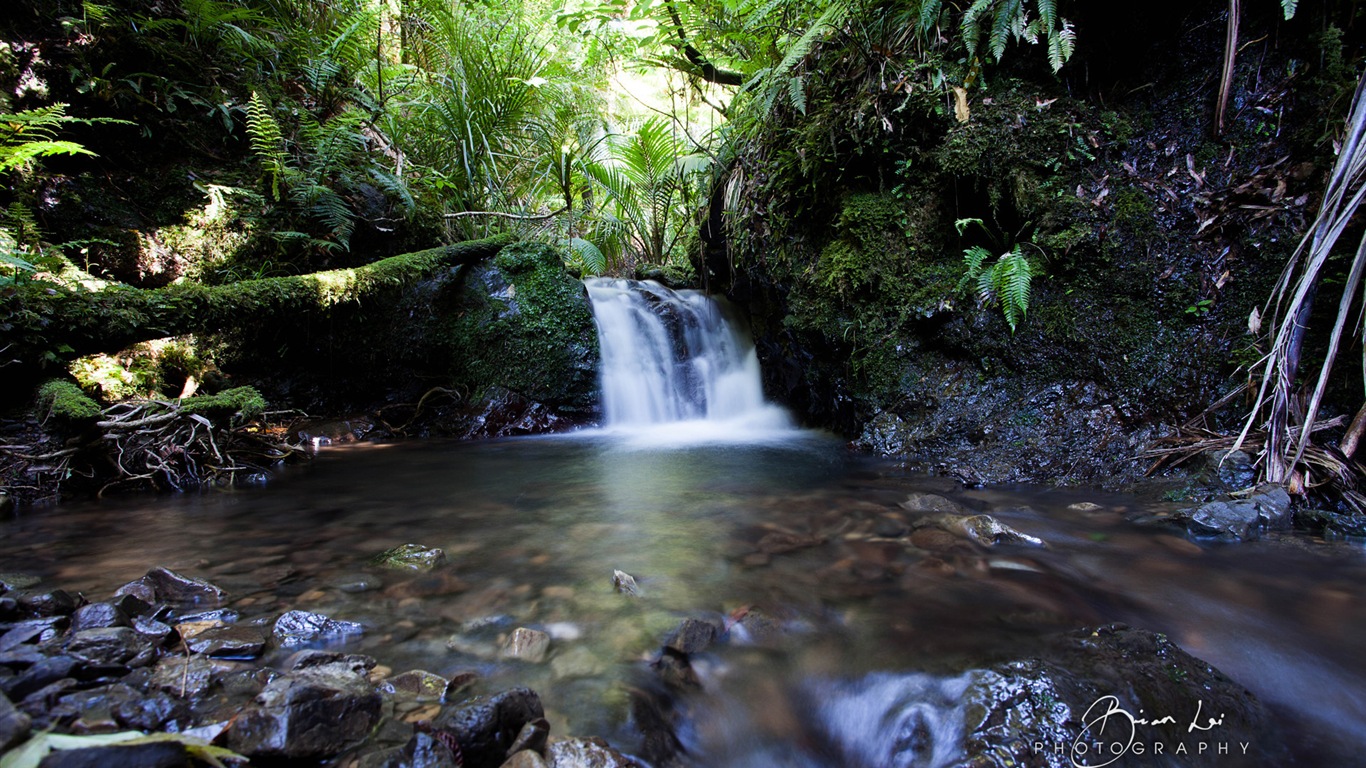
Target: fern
1288	6
929	15
267	141
32	133
1006	20
1005	283
590	259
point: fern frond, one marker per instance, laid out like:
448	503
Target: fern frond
1288	6
970	26
1007	16
929	15
590	259
796	93
267	141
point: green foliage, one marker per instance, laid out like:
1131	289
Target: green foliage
32	133
267	141
242	404
1002	21
63	400
1002	280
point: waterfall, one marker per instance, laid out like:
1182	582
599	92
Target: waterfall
673	359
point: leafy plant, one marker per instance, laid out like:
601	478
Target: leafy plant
1002	279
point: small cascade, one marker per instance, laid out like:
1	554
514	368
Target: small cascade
674	358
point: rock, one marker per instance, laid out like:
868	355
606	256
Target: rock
486	727
1238	519
410	557
159	754
1273	505
132	606
95	708
416	685
1234	469
1085	506
11	581
532	738
694	635
54	603
589	753
162	585
151	713
427	585
982	529
526	644
296	628
578	661
231	641
99	616
14	724
423	750
43	673
625	583
1332	524
151	631
194	676
311	713
525	759
32	630
113	645
779	542
931	502
313	657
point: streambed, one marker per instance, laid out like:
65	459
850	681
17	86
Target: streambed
788	527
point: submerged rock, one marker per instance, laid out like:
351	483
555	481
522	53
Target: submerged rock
410	557
1241	519
526	644
299	627
625	583
14	724
982	529
311	713
589	753
162	585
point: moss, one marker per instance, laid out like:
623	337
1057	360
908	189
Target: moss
522	323
66	401
241	403
1134	210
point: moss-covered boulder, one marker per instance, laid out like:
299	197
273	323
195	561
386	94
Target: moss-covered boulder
523	324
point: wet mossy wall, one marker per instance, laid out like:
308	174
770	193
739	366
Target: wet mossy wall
1155	239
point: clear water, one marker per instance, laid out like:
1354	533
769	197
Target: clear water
534	528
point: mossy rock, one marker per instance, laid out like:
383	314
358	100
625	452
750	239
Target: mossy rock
524	324
410	557
241	403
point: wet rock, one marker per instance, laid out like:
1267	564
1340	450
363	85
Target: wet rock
694	635
95	708
982	529
1237	519
416	685
42	674
11	581
99	616
935	540
14	724
309	714
9	608
151	713
423	750
889	527
779	542
525	759
625	583
131	605
1273	506
160	754
296	628
232	641
314	657
410	557
1234	469
527	645
113	645
1331	524
162	585
32	631
589	753
931	502
532	738
486	727
675	671
358	582
152	631
54	603
216	616
196	675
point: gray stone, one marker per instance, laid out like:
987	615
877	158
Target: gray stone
160	754
296	628
41	674
417	685
532	738
588	753
111	645
14	724
193	676
694	635
162	585
1273	505
54	603
625	583
525	759
422	751
486	727
982	529
312	713
527	645
931	502
233	641
1238	519
98	616
1233	468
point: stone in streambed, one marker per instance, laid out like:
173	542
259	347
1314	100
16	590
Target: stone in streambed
588	753
932	502
422	751
694	635
416	685
113	645
14	724
159	754
162	585
1237	519
982	529
230	641
532	738
525	759
625	583
55	603
486	727
299	627
526	644
410	557
312	713
99	616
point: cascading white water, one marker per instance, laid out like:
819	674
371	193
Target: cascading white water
673	358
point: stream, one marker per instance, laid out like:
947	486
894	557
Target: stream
534	528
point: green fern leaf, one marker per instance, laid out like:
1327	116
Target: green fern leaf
796	93
1012	276
970	26
929	15
1048	13
267	141
1288	6
590	258
1007	16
